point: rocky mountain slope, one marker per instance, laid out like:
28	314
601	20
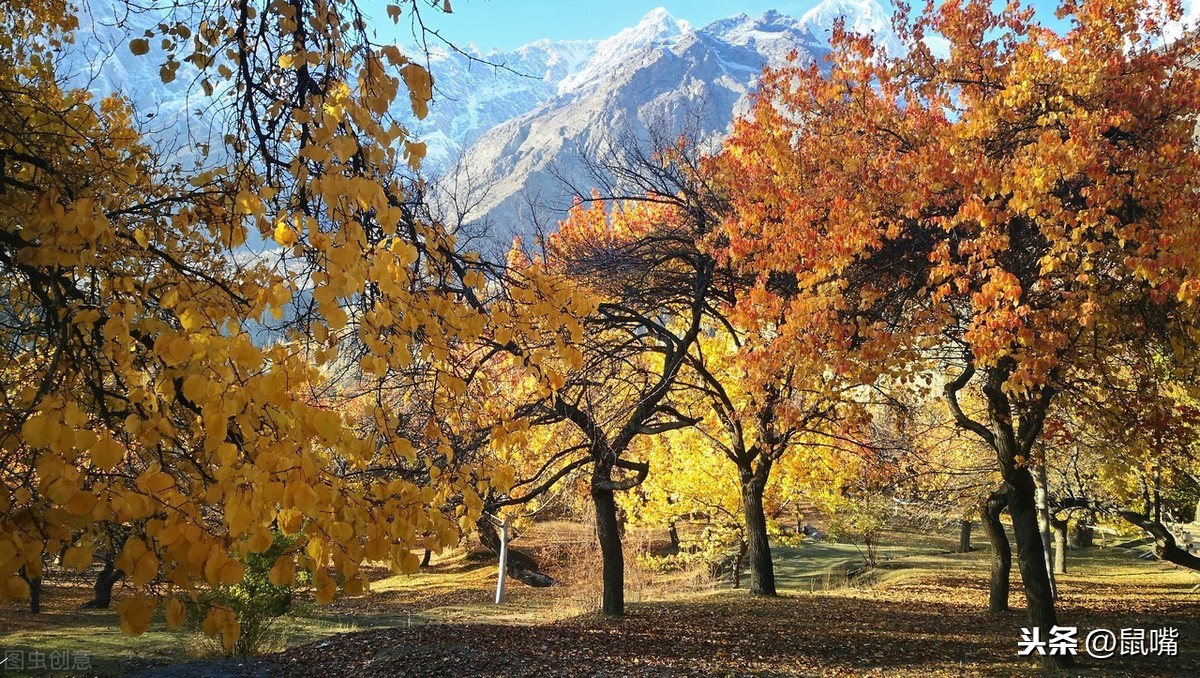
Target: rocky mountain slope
655	80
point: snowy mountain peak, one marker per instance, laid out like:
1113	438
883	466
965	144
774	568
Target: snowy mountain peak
657	29
744	31
865	17
659	21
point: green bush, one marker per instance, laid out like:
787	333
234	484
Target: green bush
256	601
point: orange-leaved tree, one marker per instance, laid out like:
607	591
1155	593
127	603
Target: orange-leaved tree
1002	210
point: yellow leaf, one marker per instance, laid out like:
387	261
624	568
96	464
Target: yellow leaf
230	633
232	572
326	588
328	425
15	588
36	430
284	235
136	613
195	387
81	504
214	621
145	570
107	452
78	558
283	572
259	542
174	613
393	12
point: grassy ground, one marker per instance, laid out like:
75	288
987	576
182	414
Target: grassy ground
919	612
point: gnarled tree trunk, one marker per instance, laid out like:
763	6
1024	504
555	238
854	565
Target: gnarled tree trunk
1080	535
105	581
998	587
738	560
762	570
1165	546
1012	436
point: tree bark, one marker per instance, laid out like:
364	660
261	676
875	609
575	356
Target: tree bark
762	569
999	584
1012	435
613	558
1031	560
35	595
35	591
1042	500
1165	546
105	581
1081	534
521	566
1060	545
673	534
738	560
964	536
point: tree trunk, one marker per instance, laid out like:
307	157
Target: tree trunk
1158	512
105	581
1011	435
426	557
673	534
1081	534
35	591
1001	551
1042	499
1031	560
1060	546
521	566
608	533
964	536
738	560
762	570
1165	546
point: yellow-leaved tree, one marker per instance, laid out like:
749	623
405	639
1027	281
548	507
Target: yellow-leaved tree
142	417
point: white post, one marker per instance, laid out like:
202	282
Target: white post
503	561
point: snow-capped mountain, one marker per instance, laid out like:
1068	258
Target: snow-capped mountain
658	29
474	91
508	132
653	80
864	17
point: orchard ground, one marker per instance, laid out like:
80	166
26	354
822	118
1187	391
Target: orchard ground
920	612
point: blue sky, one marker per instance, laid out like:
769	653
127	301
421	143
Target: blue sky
507	24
